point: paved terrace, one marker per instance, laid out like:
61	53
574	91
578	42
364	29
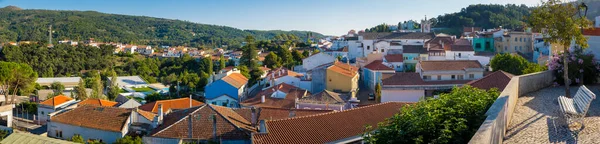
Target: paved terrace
537	119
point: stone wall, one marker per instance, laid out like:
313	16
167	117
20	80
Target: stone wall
499	115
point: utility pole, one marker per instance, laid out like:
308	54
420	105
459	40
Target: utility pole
50	34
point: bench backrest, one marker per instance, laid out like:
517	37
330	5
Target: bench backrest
582	99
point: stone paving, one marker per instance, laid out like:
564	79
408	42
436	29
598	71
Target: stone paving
537	119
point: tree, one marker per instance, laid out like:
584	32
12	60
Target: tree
272	61
452	118
221	63
305	54
561	25
58	88
285	55
249	54
297	56
510	63
129	140
97	88
316	51
80	90
16	76
153	97
378	92
77	139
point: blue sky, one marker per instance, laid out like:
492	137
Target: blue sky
331	17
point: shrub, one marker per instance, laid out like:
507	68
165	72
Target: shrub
452	118
514	64
582	66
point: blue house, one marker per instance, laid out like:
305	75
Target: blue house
226	91
373	72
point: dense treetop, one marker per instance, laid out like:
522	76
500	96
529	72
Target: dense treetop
32	25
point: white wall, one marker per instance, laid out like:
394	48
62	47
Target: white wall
317	60
388	95
454	55
223	99
594	46
68	131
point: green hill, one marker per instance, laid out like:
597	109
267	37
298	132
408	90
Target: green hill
32	25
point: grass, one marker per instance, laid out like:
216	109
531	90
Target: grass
144	89
135	98
123	91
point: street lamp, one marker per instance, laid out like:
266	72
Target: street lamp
582	9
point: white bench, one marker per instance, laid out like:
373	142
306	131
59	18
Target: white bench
574	109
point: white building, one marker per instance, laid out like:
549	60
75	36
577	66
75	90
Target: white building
129	49
105	124
316	60
450	70
145	50
283	75
131	81
382	42
50	107
460	50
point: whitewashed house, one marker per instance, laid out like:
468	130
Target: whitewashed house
50	107
316	60
104	124
283	75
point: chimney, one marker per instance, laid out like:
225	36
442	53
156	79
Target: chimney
190	126
190	100
160	114
292	112
428	45
263	127
214	119
262	99
254	117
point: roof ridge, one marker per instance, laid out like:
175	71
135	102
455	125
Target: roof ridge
489	75
227	119
334	112
183	118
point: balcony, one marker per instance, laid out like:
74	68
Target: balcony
527	112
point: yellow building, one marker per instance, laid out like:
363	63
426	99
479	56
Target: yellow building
342	77
513	42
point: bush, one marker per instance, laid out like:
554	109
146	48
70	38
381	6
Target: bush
580	64
514	64
30	107
129	140
77	139
452	118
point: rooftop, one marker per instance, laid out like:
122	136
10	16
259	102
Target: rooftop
27	138
394	58
98	102
266	113
64	80
95	117
537	119
345	69
378	65
57	100
288	101
172	104
414	79
130	80
498	79
325	97
327	127
235	79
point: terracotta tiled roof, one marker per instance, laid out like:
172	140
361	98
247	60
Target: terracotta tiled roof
98	102
414	79
173	104
324	97
471	29
284	72
292	93
277	113
448	65
146	114
228	68
498	79
327	127
230	125
377	65
394	58
57	100
96	117
237	80
461	45
344	69
592	32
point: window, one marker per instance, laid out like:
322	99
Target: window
427	77
439	77
460	77
471	76
58	133
214	103
459	54
382	50
477	45
453	77
505	48
368	47
520	48
42	112
521	39
515	48
487	45
516	39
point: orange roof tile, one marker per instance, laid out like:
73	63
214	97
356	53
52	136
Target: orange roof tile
173	104
98	102
498	79
449	65
284	72
327	127
235	79
265	113
57	100
146	114
287	102
344	69
96	117
377	65
394	58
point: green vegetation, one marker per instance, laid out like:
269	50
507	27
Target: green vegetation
379	28
3	134
16	79
30	107
77	139
582	68
514	64
129	140
58	88
452	118
32	25
567	31
143	89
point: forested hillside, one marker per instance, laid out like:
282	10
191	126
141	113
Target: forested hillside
32	25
